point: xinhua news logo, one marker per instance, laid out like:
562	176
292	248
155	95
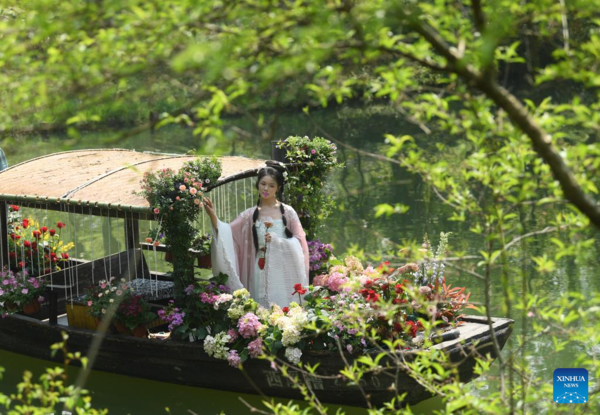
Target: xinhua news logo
570	385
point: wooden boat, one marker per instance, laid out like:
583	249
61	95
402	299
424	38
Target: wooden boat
187	363
101	183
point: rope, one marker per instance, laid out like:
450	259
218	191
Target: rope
91	218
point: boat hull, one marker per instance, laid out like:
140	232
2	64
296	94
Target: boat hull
187	363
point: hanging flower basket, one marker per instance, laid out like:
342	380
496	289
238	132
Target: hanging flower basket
204	261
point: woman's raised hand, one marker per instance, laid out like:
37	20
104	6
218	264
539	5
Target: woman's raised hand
210	210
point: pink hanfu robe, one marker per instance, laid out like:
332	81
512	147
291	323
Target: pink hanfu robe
286	259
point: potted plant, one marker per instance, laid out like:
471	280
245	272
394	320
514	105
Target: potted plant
34	248
134	313
201	245
20	292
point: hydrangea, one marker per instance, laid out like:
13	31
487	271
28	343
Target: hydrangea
255	347
293	354
216	346
241	293
235	312
249	325
234	359
221	299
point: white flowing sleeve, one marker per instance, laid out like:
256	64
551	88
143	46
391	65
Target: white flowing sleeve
224	258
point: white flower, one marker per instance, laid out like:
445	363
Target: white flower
293	354
216	346
221	299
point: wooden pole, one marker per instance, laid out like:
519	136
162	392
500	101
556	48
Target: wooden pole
4	233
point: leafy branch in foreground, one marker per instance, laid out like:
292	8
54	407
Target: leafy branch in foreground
52	393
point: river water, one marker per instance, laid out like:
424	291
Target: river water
363	183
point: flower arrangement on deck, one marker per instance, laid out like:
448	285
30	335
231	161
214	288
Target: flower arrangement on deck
176	198
351	308
20	292
35	248
131	309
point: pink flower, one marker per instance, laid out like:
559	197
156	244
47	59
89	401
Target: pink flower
336	281
249	325
234	359
425	289
233	334
156	211
89	303
255	347
320	280
119	292
193	190
25	290
182	187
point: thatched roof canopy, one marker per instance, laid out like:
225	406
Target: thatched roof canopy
98	177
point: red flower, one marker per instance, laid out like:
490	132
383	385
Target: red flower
372	296
27	244
12	255
298	289
64	255
413	327
44	229
52	232
285	309
399	289
261	263
14	208
25	223
21	264
60	225
36	234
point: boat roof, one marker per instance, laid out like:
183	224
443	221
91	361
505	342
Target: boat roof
102	177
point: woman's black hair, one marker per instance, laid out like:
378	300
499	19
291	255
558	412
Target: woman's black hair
276	172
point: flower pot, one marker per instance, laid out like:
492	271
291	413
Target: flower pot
139	331
10	306
204	261
169	256
32	307
120	327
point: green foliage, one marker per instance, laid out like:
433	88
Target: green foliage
176	198
52	393
313	160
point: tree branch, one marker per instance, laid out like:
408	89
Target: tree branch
478	15
541	142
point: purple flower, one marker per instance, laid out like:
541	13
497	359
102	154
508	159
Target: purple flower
255	347
25	290
207	298
189	290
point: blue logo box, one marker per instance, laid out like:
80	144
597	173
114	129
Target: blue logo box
570	385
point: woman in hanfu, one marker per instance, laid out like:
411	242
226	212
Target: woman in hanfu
264	249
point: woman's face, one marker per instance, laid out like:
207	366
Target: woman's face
267	187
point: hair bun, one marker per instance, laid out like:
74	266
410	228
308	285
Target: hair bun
276	165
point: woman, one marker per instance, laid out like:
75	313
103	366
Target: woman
265	248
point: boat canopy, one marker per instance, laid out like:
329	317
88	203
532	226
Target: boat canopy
104	178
